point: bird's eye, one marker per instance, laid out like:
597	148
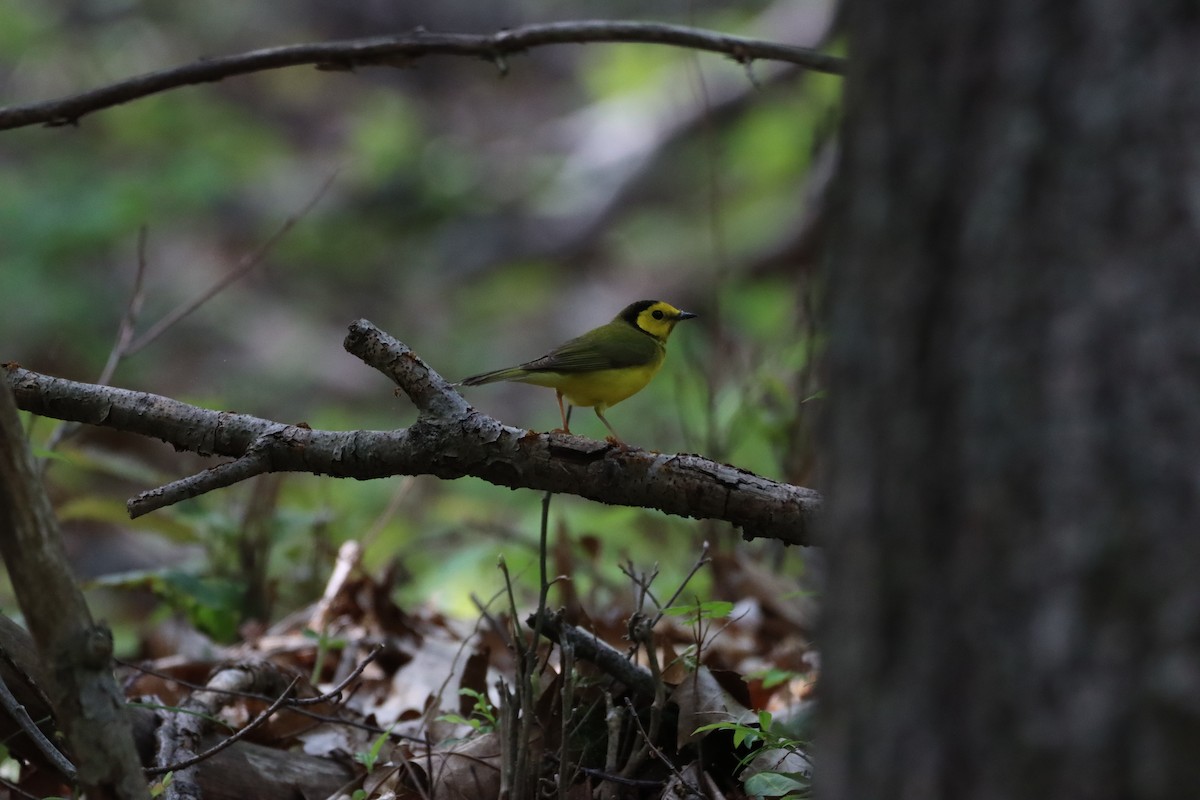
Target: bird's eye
657	314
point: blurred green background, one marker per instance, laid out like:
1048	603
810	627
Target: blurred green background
481	218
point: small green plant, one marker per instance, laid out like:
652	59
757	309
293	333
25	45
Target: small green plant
370	758
325	643
211	604
483	713
786	783
159	787
773	676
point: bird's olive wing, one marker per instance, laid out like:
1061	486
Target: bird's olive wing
608	347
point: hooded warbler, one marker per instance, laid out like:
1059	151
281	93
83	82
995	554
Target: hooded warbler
603	366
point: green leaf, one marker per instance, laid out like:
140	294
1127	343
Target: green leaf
458	719
212	604
774	784
371	757
773	676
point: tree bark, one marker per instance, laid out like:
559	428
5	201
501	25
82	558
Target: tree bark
1013	516
240	771
76	651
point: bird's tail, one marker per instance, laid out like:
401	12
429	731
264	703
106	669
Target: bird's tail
509	374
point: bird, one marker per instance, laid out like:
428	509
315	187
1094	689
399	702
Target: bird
603	366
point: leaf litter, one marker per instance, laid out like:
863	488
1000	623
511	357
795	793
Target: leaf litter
435	711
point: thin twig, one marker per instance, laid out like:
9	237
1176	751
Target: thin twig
498	629
244	267
640	633
132	310
18	714
567	768
17	791
403	488
658	753
518	706
528	665
125	345
700	562
257	722
120	345
402	50
604	775
334	695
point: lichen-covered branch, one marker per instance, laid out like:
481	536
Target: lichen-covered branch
449	439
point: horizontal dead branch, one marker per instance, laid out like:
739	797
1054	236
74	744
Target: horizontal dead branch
449	439
401	50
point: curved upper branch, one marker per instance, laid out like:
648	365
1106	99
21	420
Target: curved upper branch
449	439
400	49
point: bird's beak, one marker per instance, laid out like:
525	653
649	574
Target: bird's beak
687	315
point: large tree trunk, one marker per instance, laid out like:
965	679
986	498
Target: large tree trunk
1014	494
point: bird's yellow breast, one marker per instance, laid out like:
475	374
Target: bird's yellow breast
599	388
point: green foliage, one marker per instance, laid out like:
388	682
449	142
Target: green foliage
370	758
23	21
388	138
483	713
755	738
447	223
773	676
160	786
211	604
778	784
325	644
745	394
442	225
620	69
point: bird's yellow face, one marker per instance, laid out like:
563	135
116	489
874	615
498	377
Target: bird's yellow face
657	319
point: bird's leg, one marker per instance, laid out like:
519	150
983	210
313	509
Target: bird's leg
614	439
565	413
